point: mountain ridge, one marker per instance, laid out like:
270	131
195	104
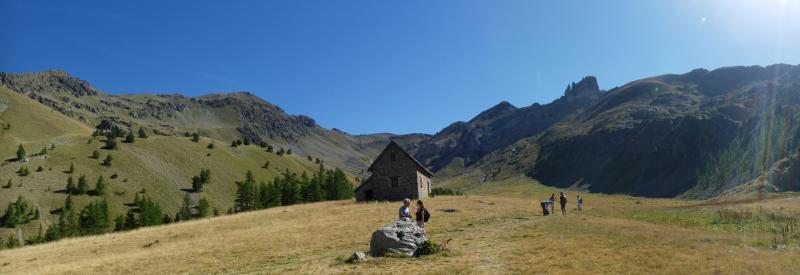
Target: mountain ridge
623	140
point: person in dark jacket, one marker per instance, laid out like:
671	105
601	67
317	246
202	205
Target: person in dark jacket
422	215
545	212
563	201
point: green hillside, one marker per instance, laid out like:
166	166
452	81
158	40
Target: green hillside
161	165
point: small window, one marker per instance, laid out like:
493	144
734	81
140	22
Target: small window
393	156
395	181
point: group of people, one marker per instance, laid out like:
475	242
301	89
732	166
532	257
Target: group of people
421	215
548	206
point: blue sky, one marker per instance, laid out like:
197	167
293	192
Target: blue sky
389	66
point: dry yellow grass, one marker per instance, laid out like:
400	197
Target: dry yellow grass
508	235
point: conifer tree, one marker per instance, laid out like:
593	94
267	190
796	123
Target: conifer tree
142	133
107	161
68	202
205	175
20	153
185	212
96	154
119	222
266	165
100	187
129	138
211	145
246	141
130	220
71	168
197	184
71	189
83	186
95	218
246	193
150	213
202	208
17	213
195	137
111	142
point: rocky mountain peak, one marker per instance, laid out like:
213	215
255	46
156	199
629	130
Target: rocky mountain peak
587	86
33	83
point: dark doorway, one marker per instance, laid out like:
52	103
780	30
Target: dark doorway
368	195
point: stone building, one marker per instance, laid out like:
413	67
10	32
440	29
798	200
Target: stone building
395	175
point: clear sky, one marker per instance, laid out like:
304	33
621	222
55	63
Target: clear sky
389	66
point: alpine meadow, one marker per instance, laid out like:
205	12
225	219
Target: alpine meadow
617	137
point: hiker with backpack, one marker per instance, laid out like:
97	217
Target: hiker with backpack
422	215
580	202
545	212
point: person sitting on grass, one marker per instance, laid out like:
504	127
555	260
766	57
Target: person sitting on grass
405	210
563	201
422	214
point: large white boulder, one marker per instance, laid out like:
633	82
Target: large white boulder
400	237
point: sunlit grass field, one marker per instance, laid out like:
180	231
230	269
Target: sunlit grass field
497	228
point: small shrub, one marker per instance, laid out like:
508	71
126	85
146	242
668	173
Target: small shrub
428	248
107	161
23	171
111	142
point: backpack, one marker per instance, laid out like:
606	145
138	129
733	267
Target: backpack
426	215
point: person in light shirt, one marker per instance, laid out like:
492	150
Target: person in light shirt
405	210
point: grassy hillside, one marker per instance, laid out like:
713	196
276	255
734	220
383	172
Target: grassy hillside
497	229
161	165
223	116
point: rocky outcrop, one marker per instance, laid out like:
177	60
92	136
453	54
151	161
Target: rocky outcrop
398	237
692	135
501	126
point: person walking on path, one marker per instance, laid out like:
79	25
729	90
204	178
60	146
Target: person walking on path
580	202
563	201
422	215
405	210
552	202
